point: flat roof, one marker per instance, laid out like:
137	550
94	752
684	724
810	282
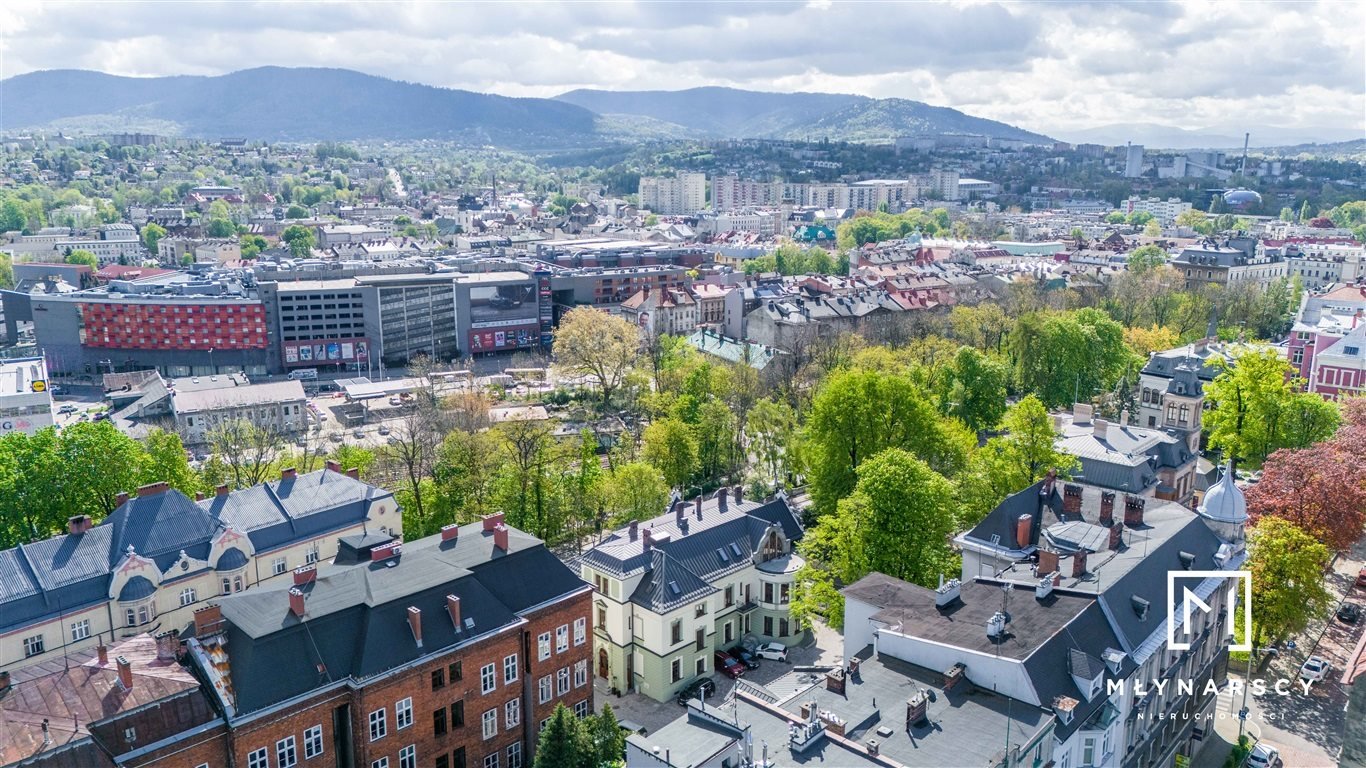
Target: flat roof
17	375
289	286
220	398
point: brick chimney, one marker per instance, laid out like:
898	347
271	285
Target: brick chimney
78	524
102	651
167	645
121	499
450	532
386	551
296	601
305	574
1048	561
634	530
288	473
208	620
125	673
492	521
353	473
500	537
415	623
646	538
698	505
1133	511
453	609
1100	428
221	490
739	494
1024	530
1116	537
1107	507
152	489
334	465
1071	499
1079	564
722	499
4	681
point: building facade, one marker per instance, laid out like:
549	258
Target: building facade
25	396
682	195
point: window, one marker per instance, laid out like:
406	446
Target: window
676	632
258	758
438	679
488	678
512	714
562	681
490	723
443	762
581	674
729	632
768	592
515	755
407	757
286	754
187	596
1088	751
1350	351
580	631
543	646
562	638
457	671
33	645
80	630
700	667
311	556
676	670
130	617
581	709
403	713
701	641
602	615
379	724
227	586
782	627
546	691
491	761
458	758
458	714
313	741
730	595
510	669
236	583
699	610
277	566
383	762
784	593
768	626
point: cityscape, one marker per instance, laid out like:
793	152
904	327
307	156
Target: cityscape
670	385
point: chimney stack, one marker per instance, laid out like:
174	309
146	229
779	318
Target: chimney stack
415	623
305	574
1079	564
739	494
1024	529
386	551
334	465
1071	499
634	530
1048	561
1081	413
1107	507
1100	428
125	673
1048	481
167	645
121	499
699	506
78	524
500	537
208	620
1133	511
1116	537
296	601
492	521
353	473
450	532
288	473
198	495
102	651
646	538
152	489
453	609
221	490
722	499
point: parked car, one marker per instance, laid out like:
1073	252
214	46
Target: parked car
1348	613
335	437
702	687
383	430
1263	755
728	665
774	651
743	655
359	434
1314	669
68	408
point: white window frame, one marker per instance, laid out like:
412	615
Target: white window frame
547	689
286	752
187	596
581	673
491	760
488	723
512	713
562	681
80	629
488	678
510	669
382	762
403	713
313	742
562	638
379	724
515	755
580	631
543	646
407	757
581	708
258	758
34	646
278	566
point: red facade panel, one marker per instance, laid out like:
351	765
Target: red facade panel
204	326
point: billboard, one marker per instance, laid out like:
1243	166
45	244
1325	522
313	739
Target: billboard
492	337
325	351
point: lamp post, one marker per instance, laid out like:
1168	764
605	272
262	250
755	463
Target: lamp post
212	370
1247	683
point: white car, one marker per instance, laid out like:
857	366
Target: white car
1263	756
1314	669
774	651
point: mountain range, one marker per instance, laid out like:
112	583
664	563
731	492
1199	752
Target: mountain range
312	104
1169	137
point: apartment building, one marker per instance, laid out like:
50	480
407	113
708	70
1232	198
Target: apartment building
1165	211
672	590
279	407
25	398
1143	461
1229	262
161	555
682	195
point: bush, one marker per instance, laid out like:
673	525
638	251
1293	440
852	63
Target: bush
1239	754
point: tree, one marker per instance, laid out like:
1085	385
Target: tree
252	245
151	235
563	743
974	389
220	228
165	461
1321	489
770	428
527	493
1255	408
1145	258
600	345
300	240
1115	217
1287	567
296	212
606	740
671	448
464	472
1013	461
1145	341
6	271
243	453
1139	218
636	491
1195	219
1152	229
1067	356
81	256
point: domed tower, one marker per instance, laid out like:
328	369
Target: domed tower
1225	510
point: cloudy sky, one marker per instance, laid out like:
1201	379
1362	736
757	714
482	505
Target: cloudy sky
1055	67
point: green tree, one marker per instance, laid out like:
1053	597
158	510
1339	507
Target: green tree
1115	217
1255	408
464	471
1146	258
769	428
1139	218
974	389
165	461
1065	356
636	491
1013	461
599	345
606	741
81	256
6	271
13	217
252	245
220	228
355	457
1288	591
98	462
563	743
151	235
671	448
1152	229
300	240
296	212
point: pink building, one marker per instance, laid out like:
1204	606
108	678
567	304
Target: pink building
1340	367
1324	319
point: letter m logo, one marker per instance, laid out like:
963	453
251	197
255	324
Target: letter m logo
1187	604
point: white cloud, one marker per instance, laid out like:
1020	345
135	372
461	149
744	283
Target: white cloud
1048	67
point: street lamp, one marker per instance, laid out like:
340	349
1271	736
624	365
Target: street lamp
1247	683
212	370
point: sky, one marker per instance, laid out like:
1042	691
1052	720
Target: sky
1058	68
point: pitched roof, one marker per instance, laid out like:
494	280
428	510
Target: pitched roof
669	585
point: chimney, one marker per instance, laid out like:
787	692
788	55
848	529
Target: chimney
739	494
78	524
1024	527
450	532
221	490
1071	499
415	623
288	473
1048	561
1107	508
305	574
1116	537
152	489
500	537
1124	417
647	539
453	609
492	521
125	673
1133	511
208	620
198	495
1100	428
167	644
1048	481
722	497
1081	413
296	601
121	499
4	681
353	473
634	530
1079	564
102	651
386	551
334	465
699	506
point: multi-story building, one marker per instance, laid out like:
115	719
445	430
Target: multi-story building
278	407
320	323
1165	211
1323	319
1339	368
1133	161
116	241
944	183
1143	461
673	590
1230	262
160	555
730	193
682	195
444	652
25	398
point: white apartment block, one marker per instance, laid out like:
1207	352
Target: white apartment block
681	195
1165	211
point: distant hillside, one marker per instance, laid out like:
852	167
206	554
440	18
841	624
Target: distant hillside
732	113
1168	137
282	104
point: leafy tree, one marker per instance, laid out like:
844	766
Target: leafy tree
13	217
636	491
1145	341
6	271
985	326
81	256
671	448
1287	567
466	465
1145	258
1013	461
600	345
1152	229
606	741
165	461
98	462
300	240
243	453
252	245
715	435
1256	408
770	428
1321	489
1115	217
563	743
1067	356
355	457
1197	220
1139	218
296	212
220	228
527	492
974	389
151	235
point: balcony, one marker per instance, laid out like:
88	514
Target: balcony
747	606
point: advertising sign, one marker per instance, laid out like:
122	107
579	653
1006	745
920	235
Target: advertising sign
335	351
